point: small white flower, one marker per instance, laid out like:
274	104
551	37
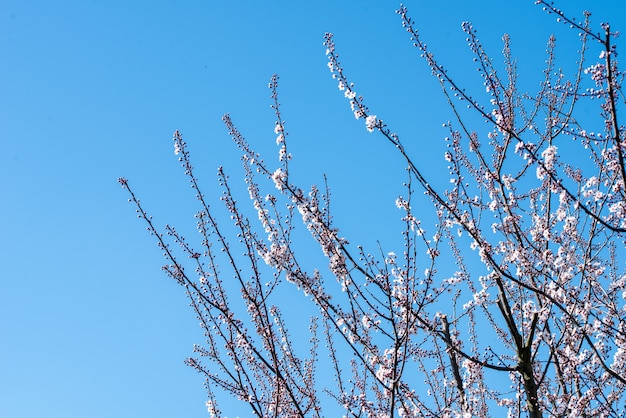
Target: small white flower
370	122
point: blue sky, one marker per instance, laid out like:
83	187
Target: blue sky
92	90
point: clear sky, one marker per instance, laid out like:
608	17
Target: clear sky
91	90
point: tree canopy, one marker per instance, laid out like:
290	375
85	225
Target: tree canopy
507	295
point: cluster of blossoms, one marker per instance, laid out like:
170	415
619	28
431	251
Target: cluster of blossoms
549	158
280	179
328	238
356	102
280	141
598	73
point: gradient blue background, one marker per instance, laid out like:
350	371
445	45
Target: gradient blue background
92	90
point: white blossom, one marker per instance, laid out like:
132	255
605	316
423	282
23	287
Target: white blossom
370	122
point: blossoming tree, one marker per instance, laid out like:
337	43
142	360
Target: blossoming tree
513	300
